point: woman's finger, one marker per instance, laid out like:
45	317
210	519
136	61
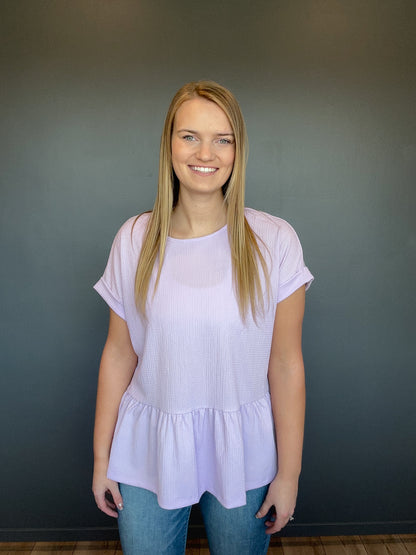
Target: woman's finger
116	495
277	524
105	504
264	509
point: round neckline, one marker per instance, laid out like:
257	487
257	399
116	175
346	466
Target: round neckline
186	239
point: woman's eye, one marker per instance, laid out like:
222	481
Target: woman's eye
223	141
189	138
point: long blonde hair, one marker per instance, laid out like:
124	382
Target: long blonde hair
245	252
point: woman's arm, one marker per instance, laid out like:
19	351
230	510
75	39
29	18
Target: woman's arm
287	390
118	363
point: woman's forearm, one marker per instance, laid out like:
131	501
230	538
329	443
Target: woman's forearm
116	370
118	363
287	383
287	390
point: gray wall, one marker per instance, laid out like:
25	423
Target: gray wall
328	90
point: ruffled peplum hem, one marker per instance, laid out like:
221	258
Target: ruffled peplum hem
180	456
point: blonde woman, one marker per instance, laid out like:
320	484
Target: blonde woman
201	387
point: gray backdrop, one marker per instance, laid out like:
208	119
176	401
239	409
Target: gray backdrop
328	91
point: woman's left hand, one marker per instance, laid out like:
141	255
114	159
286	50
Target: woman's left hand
282	494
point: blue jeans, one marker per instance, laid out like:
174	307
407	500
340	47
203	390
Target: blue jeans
147	529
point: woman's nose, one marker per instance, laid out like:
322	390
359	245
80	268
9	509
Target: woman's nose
205	151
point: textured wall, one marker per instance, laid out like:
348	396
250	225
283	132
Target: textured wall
328	90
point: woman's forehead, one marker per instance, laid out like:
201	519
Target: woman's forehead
200	112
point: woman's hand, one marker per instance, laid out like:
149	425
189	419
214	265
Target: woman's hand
282	494
106	493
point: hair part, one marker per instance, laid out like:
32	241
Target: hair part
245	252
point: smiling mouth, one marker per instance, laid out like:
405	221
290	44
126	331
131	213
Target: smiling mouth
203	169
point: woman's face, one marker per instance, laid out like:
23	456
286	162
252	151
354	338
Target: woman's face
203	147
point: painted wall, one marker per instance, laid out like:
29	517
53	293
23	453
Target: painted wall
328	91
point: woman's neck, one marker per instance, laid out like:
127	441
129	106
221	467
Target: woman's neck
197	217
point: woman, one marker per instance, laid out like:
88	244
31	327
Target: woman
201	379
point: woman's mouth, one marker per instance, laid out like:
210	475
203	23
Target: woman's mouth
203	170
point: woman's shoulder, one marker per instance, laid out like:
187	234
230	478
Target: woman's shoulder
134	226
277	234
267	225
130	235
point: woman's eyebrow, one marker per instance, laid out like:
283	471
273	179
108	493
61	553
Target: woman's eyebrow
196	133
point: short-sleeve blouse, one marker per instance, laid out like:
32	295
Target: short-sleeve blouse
197	415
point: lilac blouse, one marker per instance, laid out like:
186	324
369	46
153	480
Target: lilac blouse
197	416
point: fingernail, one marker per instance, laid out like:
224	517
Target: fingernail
120	506
258	515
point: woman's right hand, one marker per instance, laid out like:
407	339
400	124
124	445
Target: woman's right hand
106	493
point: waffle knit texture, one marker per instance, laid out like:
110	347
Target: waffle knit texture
197	415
